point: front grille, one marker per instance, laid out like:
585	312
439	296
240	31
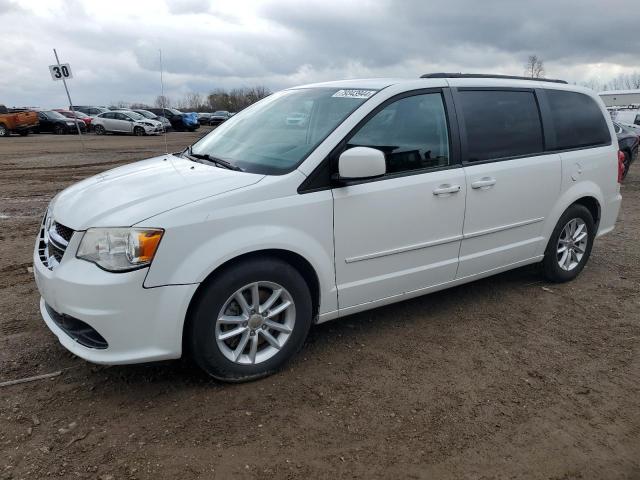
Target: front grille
56	252
64	232
52	242
78	330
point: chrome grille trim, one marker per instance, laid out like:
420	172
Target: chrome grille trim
51	244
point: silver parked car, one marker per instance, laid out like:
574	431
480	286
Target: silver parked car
126	121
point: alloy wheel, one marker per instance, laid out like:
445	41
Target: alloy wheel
255	323
572	244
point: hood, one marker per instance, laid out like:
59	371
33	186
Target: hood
129	194
149	120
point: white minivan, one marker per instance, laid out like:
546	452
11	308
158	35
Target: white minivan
230	250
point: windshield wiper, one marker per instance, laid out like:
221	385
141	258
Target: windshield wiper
218	162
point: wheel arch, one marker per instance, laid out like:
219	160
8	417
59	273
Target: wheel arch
586	193
592	204
297	261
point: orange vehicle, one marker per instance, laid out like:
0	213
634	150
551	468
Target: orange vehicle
16	122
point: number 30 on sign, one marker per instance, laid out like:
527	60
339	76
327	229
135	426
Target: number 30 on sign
58	72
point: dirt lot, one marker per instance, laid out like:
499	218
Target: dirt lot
508	377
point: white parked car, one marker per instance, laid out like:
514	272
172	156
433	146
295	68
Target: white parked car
125	121
631	117
232	249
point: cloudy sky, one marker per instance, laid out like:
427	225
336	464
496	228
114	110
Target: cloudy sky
113	45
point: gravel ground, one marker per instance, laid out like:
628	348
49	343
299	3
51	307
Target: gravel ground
507	377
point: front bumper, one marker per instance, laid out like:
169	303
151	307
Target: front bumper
155	130
139	324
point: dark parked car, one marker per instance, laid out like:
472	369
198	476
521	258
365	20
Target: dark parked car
166	124
55	122
219	117
177	119
628	142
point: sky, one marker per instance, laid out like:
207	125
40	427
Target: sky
113	45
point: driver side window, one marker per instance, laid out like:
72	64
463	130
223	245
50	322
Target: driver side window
411	132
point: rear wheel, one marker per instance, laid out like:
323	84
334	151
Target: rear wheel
99	129
138	131
4	131
570	244
250	320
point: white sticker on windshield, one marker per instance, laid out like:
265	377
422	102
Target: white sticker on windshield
354	93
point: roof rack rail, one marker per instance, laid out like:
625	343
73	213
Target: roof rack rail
485	75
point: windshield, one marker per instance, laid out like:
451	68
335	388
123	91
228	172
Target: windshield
276	134
56	115
135	116
220	112
146	114
174	111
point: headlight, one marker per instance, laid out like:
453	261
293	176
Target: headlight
147	124
120	249
71	123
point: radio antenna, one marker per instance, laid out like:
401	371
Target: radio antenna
162	104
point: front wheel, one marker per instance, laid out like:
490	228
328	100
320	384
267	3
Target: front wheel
250	320
570	244
4	131
138	131
99	130
59	130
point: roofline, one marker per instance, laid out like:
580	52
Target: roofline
485	75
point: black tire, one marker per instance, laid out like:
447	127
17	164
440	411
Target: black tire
200	330
551	268
59	130
138	131
626	163
4	131
99	130
24	133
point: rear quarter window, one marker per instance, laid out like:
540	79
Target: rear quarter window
577	119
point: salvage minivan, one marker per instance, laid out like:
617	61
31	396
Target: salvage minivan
231	249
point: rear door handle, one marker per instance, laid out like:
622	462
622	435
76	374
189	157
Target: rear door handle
446	189
484	183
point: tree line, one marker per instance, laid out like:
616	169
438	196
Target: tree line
232	100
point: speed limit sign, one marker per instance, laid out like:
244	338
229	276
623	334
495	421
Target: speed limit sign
59	72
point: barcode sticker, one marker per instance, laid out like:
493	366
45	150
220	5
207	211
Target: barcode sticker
354	93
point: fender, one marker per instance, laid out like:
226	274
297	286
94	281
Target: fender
205	235
585	188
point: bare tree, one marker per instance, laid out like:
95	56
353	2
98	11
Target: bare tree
594	84
534	67
119	104
162	102
236	99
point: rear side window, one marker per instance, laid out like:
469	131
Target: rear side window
501	124
577	119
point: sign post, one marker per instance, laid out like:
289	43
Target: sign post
63	72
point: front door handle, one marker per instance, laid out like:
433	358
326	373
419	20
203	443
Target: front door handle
446	189
484	183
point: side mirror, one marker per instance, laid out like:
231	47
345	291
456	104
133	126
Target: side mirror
360	163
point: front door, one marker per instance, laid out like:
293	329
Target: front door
400	233
122	123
